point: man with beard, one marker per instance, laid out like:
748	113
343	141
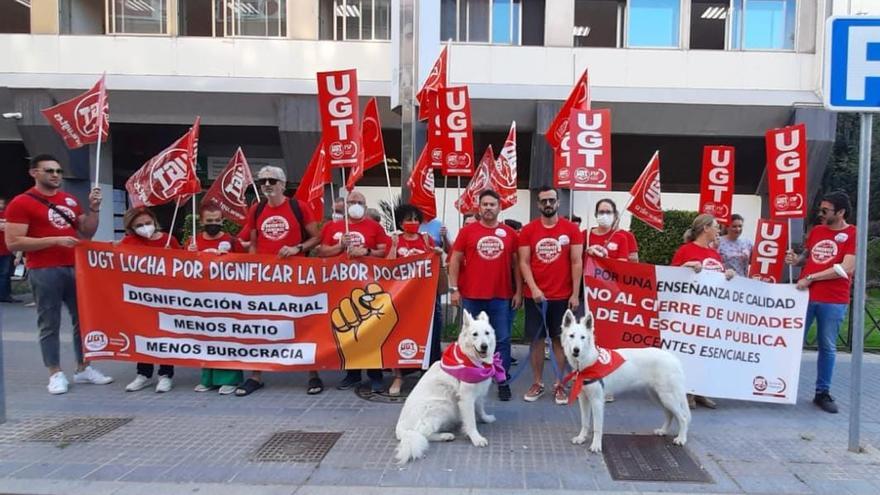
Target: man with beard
829	261
480	269
551	252
46	223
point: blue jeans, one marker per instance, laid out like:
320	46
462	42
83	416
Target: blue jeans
828	317
498	311
6	262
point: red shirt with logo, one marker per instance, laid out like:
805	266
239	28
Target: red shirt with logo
827	247
43	221
411	247
487	268
3	249
136	240
366	233
550	258
277	226
708	257
616	242
203	244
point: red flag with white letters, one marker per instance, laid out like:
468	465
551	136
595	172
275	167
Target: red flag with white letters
481	180
589	145
427	96
787	171
645	204
716	185
340	129
311	189
228	192
456	133
78	120
421	186
768	253
503	170
169	175
578	99
562	163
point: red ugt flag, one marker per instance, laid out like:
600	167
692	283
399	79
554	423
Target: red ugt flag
503	170
768	253
371	143
311	189
457	139
421	185
787	171
228	192
482	180
716	185
589	143
169	175
338	105
78	120
427	96
578	99
645	204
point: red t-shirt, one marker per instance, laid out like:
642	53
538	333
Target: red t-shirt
365	233
487	269
828	247
708	257
277	226
615	241
3	249
550	257
411	247
203	244
43	221
136	240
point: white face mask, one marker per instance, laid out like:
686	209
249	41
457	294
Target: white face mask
356	211
336	216
605	220
146	231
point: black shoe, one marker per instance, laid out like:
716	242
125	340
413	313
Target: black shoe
825	402
350	381
504	393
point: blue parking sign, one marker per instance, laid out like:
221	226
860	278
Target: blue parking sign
852	64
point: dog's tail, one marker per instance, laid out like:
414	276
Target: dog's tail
413	445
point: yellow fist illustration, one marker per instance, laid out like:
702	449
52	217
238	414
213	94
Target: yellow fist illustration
361	324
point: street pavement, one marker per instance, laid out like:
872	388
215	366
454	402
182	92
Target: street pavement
186	442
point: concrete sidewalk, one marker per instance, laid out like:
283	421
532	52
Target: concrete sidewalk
184	442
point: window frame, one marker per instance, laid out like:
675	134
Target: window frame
110	19
282	19
679	28
514	27
372	39
742	31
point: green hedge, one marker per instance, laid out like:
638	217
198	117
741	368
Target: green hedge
658	247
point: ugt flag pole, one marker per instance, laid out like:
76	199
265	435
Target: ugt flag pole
344	200
173	220
390	192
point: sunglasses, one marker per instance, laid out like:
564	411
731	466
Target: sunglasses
267	182
53	171
547	201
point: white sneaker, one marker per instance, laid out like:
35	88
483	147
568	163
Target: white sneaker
138	383
227	389
164	385
202	388
93	376
58	383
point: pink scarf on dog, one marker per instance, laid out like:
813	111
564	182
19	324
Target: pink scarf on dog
459	365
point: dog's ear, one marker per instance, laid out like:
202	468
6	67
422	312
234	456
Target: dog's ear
587	321
483	316
568	319
466	319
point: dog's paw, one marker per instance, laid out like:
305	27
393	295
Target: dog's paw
679	440
479	441
489	418
660	432
579	440
447	437
596	447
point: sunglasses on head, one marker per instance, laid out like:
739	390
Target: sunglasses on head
267	181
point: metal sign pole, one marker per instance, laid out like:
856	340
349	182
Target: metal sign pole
858	334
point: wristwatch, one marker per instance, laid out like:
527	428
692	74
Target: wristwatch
809	277
453	289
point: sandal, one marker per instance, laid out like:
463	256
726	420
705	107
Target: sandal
248	387
316	386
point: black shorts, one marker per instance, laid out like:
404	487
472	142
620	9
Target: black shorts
534	325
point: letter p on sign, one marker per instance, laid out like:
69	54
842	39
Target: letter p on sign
852	64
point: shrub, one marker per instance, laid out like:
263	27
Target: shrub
658	247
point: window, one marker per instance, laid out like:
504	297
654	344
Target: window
354	20
259	18
138	16
763	24
708	24
599	23
653	23
195	18
15	16
481	21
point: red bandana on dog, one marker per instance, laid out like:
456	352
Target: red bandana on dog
458	364
606	364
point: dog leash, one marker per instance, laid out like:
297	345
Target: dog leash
547	342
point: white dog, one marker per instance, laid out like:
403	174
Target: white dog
655	369
452	391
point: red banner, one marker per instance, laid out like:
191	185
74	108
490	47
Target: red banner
787	171
578	99
562	163
340	131
768	253
590	149
716	185
244	311
78	120
169	175
437	78
228	192
457	138
482	180
311	189
503	170
645	204
421	186
620	318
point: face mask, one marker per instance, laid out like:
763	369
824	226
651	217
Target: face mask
411	227
213	228
146	231
336	216
605	220
356	211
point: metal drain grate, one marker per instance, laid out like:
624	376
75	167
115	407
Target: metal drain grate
650	458
296	446
78	430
